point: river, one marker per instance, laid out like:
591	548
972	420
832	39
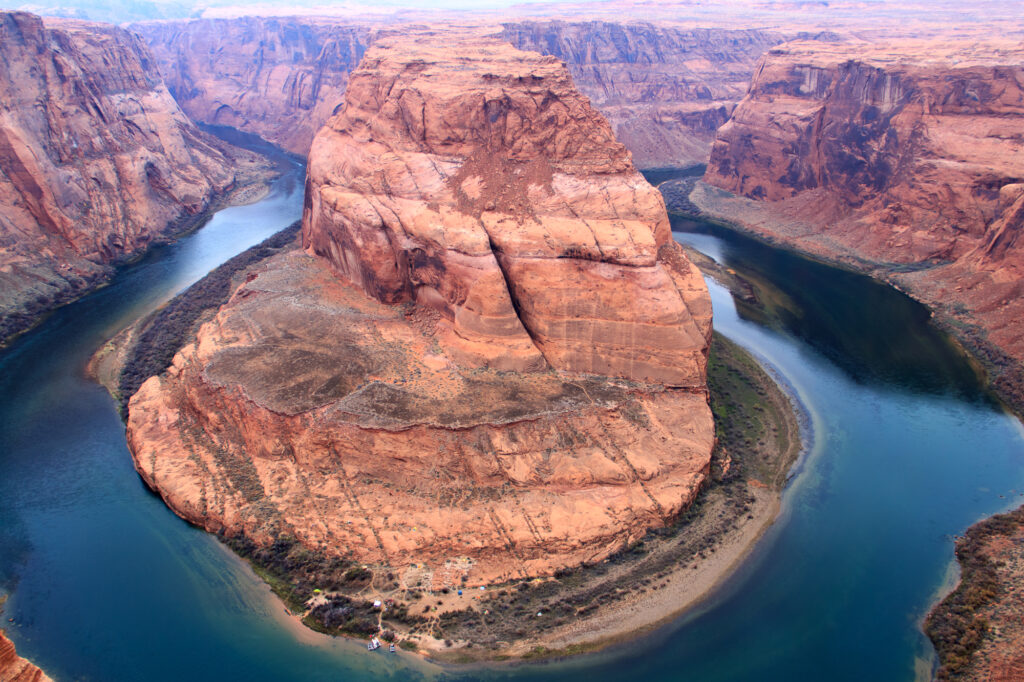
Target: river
107	584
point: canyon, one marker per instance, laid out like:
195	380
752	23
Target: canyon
903	160
488	362
97	161
665	89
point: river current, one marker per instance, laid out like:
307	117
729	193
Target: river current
106	583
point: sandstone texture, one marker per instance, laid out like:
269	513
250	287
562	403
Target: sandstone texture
904	158
280	78
14	668
96	160
664	89
489	361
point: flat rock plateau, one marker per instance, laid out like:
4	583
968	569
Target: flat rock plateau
489	361
97	161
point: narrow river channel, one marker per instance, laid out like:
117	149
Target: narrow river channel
105	583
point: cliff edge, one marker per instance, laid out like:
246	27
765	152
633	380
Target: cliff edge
96	160
488	362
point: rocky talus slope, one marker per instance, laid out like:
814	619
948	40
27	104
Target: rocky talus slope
490	360
96	160
14	668
905	159
664	89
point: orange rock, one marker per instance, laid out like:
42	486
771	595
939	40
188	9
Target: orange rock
497	367
14	668
903	153
96	160
489	188
664	89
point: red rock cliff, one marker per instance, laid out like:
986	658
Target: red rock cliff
280	78
665	90
14	668
902	155
493	367
96	159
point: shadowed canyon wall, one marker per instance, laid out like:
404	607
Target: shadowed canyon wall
665	90
490	360
96	160
908	159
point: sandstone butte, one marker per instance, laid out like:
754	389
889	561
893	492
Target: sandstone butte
14	668
488	362
665	89
904	158
96	160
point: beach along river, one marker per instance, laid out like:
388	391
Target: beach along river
106	583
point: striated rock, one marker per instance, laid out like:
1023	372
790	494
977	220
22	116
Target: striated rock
488	363
96	160
489	189
280	78
14	668
665	90
902	156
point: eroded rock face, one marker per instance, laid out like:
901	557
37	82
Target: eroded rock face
14	668
280	78
665	90
96	160
908	155
489	361
488	188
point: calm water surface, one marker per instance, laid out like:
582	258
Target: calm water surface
107	584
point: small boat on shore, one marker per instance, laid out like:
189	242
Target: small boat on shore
391	648
373	644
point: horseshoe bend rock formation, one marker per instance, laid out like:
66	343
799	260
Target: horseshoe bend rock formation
489	361
906	157
96	160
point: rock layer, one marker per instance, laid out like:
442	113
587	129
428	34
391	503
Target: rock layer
665	90
489	362
14	668
906	157
280	78
96	160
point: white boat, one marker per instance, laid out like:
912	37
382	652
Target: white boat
373	644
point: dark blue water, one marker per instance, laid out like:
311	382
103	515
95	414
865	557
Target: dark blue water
107	584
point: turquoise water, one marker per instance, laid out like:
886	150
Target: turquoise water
107	584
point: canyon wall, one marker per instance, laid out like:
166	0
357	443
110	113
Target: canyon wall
96	160
280	78
488	362
903	159
14	668
665	90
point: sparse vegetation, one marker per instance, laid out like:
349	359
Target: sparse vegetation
165	331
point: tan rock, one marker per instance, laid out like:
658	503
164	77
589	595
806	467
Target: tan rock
14	668
904	153
496	366
96	160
